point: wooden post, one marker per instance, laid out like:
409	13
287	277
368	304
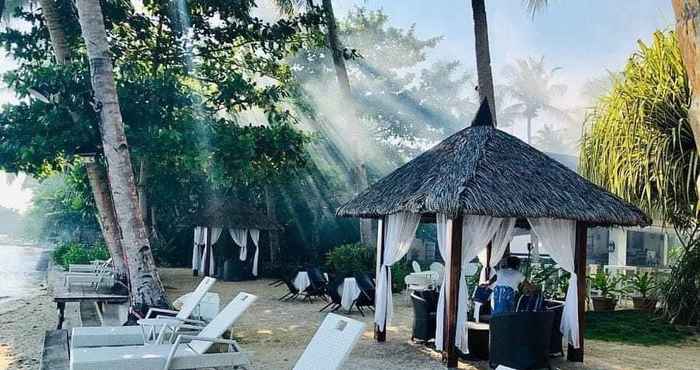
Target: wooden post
576	354
380	335
452	290
207	256
487	271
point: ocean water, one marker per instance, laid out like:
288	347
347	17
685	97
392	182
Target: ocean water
22	271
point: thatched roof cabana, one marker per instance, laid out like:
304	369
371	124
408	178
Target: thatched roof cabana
477	184
240	221
484	171
236	214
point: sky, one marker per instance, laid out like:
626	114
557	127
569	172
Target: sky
584	39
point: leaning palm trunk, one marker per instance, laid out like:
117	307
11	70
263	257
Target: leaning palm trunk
145	287
483	55
108	221
98	182
359	173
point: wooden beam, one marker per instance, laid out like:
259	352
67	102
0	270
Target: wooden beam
380	335
576	354
207	256
452	290
487	271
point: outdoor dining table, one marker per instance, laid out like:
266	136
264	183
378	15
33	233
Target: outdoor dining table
349	292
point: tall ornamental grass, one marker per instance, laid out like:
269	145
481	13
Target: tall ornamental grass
639	145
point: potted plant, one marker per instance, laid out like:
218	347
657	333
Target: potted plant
607	287
644	286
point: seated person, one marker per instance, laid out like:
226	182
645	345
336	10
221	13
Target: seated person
505	283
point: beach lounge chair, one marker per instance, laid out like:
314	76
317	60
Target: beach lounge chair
93	266
331	345
104	276
178	355
148	329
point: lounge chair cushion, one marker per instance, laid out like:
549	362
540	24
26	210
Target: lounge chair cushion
103	336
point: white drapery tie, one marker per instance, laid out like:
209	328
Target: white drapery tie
444	237
255	236
558	238
200	239
476	233
400	230
240	237
209	249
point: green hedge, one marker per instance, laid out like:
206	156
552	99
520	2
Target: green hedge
76	253
349	259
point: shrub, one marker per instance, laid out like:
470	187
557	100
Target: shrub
348	259
76	253
399	270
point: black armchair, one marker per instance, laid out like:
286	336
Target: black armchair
555	347
336	299
424	318
521	340
318	287
366	298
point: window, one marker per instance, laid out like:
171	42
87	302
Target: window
645	249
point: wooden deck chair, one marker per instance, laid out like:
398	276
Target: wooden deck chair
331	345
178	355
149	328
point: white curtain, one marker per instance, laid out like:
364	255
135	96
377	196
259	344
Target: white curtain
209	249
200	239
499	244
255	235
240	237
477	231
558	238
444	237
399	234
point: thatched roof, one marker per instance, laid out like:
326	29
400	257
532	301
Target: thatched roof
484	171
235	214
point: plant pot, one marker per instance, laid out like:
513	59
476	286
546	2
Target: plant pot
604	303
644	303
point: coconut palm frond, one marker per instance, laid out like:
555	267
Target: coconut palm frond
639	144
290	7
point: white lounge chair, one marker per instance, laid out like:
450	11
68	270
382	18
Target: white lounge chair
178	355
92	267
102	276
416	266
148	329
331	345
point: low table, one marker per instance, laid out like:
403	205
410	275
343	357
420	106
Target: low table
349	292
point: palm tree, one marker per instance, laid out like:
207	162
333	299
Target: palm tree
359	170
530	84
146	287
95	171
483	56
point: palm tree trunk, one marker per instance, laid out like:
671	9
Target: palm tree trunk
108	222
688	33
49	10
483	55
143	196
146	288
98	181
359	174
341	73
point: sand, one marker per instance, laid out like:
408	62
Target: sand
277	332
